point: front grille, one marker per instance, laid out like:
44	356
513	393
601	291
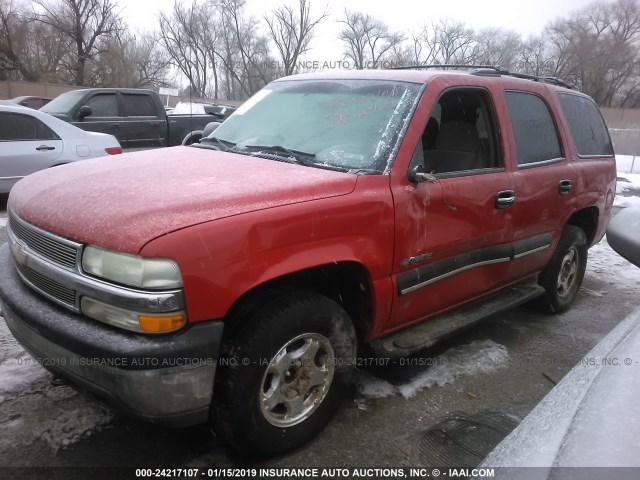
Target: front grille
43	244
49	287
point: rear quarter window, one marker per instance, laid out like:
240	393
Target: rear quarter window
588	129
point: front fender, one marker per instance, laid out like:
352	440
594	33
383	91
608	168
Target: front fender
222	260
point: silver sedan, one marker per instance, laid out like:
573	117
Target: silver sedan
31	140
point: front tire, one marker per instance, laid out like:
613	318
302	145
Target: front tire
564	273
286	372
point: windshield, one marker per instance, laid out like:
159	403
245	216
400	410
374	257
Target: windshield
353	124
63	103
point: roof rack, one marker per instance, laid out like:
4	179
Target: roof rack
493	70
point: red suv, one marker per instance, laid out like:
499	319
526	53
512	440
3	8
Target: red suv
237	280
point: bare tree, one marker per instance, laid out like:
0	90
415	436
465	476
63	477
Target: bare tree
84	23
598	49
367	40
188	35
35	50
244	55
133	61
444	42
496	46
292	31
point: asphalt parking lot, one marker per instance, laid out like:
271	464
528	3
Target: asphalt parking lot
501	369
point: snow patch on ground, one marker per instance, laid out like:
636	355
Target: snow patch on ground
32	409
625	163
628	189
605	264
477	357
3	222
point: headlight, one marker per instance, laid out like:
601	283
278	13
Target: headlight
134	321
132	270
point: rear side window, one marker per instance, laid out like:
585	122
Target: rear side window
137	105
31	103
589	131
535	133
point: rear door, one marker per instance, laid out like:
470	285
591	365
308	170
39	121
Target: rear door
545	179
26	146
146	126
453	236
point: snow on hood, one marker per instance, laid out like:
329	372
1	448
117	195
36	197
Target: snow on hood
124	201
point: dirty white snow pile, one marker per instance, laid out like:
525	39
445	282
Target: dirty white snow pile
608	266
627	185
628	163
32	409
480	356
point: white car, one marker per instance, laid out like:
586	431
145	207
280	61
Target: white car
31	140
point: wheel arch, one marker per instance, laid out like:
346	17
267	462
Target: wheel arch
587	219
348	283
192	137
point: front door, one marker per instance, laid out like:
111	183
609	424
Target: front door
453	231
106	116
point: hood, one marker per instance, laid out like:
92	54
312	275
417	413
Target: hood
123	202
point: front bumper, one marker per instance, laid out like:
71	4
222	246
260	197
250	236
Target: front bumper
164	379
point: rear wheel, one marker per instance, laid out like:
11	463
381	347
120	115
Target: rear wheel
286	372
564	273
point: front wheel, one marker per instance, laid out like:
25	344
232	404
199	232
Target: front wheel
285	374
564	273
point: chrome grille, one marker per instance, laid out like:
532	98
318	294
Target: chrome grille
50	288
44	244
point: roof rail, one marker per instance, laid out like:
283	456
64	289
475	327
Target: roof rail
448	65
496	70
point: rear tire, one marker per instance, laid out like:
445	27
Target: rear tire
286	372
563	275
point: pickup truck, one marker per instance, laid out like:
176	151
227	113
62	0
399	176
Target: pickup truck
136	117
239	280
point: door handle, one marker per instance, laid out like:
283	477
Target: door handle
564	187
505	199
45	147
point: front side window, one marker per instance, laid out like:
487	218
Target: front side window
588	129
351	124
104	105
533	128
17	127
461	134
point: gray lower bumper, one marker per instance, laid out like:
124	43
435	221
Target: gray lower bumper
165	379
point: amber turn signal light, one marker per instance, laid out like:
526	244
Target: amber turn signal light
161	323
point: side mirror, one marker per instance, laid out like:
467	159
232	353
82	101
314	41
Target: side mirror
85	111
418	175
210	128
623	234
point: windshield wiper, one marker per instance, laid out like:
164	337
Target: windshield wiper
303	158
224	144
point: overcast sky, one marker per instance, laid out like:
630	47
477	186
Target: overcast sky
527	17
